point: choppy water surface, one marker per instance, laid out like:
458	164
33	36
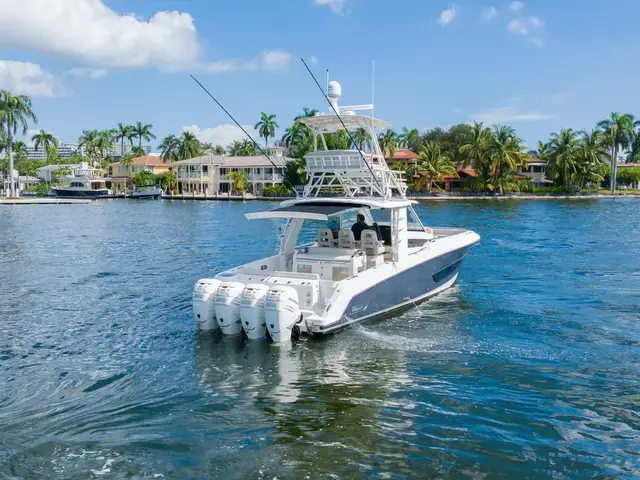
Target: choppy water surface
528	368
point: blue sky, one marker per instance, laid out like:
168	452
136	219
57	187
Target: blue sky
539	65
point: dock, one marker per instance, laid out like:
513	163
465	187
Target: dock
43	201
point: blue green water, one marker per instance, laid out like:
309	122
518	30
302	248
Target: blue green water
528	368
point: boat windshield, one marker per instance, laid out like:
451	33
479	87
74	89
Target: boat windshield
309	230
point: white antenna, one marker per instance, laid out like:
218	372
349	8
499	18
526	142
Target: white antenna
373	86
327	89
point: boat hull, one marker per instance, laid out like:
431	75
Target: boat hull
63	193
145	196
402	290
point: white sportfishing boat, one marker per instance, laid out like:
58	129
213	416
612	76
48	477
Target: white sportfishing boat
324	278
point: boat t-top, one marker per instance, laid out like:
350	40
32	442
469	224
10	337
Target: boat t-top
326	274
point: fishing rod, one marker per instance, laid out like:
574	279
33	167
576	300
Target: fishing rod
284	180
326	96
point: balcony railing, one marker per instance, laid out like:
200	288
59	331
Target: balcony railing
269	177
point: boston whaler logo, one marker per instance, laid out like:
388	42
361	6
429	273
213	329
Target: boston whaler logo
359	308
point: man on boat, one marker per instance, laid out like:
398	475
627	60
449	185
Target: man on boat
359	226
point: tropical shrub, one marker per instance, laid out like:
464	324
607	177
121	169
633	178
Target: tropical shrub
277	190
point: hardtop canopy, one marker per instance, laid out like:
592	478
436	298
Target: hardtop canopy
323	208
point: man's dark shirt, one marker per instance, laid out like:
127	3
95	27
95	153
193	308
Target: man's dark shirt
357	229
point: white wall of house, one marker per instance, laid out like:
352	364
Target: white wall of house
211	179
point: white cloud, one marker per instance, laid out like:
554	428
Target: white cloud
518	27
27	78
269	60
536	22
489	13
220	135
93	73
447	16
336	6
528	28
508	114
516	6
95	35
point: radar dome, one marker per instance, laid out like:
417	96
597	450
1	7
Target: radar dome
335	90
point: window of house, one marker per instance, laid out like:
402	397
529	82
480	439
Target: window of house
205	169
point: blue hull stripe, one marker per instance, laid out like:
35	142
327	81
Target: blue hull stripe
412	284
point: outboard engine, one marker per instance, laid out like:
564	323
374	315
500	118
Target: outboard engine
252	310
204	303
281	312
228	307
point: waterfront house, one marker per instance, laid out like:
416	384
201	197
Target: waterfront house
535	170
404	156
120	176
209	174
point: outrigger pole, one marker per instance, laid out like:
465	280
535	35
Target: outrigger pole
284	180
373	175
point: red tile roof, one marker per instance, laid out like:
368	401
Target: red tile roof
403	154
629	165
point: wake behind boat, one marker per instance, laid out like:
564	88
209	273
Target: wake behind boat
328	275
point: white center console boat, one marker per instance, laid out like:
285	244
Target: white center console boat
324	278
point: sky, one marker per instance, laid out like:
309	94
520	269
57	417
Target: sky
538	65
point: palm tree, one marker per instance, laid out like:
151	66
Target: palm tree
360	136
477	152
169	148
137	152
239	179
15	112
306	112
20	149
46	139
388	143
218	150
127	161
618	130
89	142
248	149
266	127
507	153
408	137
592	150
122	132
435	165
235	149
564	152
189	146
142	132
294	134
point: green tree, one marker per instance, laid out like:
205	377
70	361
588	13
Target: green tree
361	137
564	151
137	152
45	140
239	180
266	127
142	131
235	149
477	152
618	133
123	132
127	161
388	143
507	153
434	166
144	178
15	113
189	146
306	113
293	172
167	181
170	148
